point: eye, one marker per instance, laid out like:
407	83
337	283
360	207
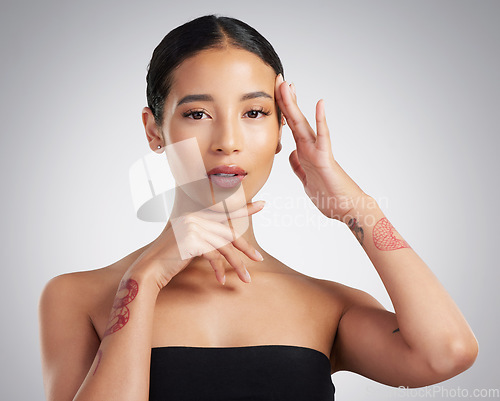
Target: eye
254	113
195	114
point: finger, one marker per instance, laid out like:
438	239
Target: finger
296	167
215	259
277	94
226	233
243	245
294	96
230	235
301	130
246	210
323	139
214	227
228	251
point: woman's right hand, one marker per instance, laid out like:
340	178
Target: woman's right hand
201	233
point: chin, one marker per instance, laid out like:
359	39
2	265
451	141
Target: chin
228	200
203	195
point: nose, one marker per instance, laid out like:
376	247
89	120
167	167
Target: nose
227	137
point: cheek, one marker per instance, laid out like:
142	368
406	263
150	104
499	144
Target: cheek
178	131
265	136
175	132
262	163
262	150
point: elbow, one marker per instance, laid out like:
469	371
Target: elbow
455	357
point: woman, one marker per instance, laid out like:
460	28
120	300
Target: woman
217	100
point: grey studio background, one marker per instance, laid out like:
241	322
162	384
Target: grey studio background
411	91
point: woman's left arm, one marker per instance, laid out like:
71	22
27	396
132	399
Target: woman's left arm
427	339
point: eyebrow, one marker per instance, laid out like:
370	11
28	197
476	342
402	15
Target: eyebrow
194	98
208	98
254	95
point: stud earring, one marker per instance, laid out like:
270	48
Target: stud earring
159	149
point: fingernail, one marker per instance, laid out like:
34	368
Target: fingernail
292	87
280	77
257	253
247	276
224	280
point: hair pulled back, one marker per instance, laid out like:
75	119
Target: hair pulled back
207	32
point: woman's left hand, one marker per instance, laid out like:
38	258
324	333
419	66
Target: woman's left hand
328	186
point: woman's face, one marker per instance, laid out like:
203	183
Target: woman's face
221	107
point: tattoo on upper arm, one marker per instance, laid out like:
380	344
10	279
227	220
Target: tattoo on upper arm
384	236
357	230
395	331
120	314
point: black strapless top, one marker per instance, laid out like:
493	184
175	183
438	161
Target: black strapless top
248	373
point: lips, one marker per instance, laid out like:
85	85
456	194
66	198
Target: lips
227	176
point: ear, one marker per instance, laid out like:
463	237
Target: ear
279	146
153	133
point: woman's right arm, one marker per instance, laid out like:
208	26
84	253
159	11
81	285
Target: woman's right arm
76	364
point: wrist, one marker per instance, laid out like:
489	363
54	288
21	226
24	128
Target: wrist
365	211
144	273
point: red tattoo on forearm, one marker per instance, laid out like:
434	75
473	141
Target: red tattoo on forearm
384	236
120	314
99	356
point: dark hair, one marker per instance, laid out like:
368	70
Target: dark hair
187	40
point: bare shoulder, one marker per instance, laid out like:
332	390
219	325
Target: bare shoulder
303	285
331	291
79	286
80	293
68	336
350	296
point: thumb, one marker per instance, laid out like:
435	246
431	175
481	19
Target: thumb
296	167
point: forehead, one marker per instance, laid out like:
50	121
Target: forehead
222	71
